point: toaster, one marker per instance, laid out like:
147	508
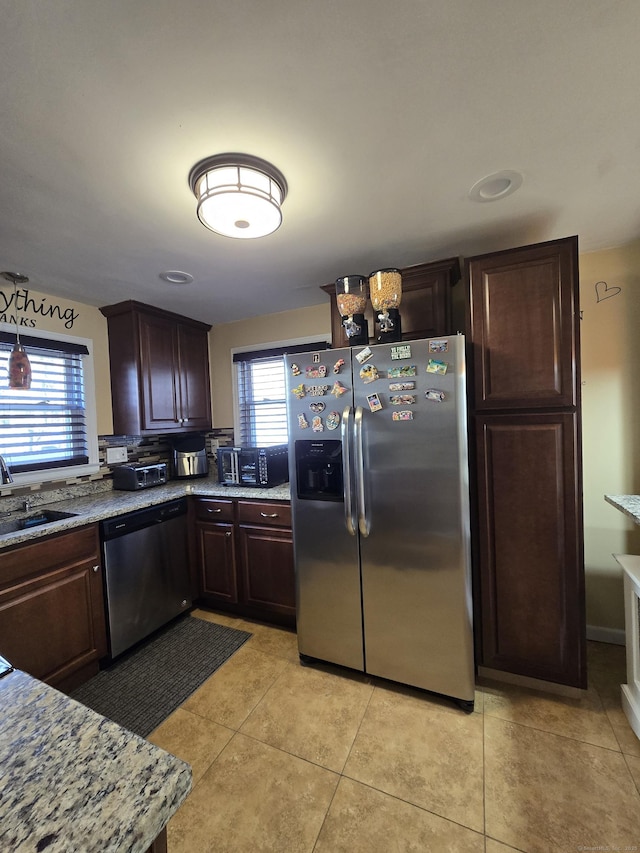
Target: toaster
129	478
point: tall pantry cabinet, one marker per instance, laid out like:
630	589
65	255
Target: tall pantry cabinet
523	333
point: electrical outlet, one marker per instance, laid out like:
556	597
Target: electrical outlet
116	454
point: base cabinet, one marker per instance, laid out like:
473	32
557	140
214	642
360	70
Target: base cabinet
52	618
529	546
244	553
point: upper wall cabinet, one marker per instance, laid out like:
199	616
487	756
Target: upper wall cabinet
523	326
425	309
159	370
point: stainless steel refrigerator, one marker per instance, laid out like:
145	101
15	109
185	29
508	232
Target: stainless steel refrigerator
380	504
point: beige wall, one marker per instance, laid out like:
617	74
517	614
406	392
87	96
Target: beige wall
610	343
270	329
52	314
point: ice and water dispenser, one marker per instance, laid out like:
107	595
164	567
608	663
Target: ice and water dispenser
319	470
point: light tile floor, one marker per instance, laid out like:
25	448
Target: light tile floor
298	759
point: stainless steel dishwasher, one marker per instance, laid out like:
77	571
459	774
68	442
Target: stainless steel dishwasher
146	571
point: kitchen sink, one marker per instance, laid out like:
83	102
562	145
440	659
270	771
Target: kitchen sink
45	516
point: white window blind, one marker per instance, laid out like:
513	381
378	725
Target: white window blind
45	426
262	401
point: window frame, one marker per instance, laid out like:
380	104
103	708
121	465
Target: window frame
264	347
46	475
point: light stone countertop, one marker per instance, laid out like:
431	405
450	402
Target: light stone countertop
74	781
111	503
628	504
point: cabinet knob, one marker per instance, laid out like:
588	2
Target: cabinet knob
96	569
269	514
228	533
214	510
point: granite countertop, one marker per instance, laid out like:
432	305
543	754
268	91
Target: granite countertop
73	780
108	504
628	504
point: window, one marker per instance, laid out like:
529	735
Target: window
51	427
261	394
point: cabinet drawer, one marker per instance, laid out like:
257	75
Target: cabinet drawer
263	512
208	509
45	554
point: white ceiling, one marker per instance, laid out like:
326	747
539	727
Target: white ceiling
381	115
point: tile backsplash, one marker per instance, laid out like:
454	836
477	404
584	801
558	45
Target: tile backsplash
140	451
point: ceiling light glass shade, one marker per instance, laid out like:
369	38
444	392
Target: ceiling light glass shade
19	364
19	369
238	195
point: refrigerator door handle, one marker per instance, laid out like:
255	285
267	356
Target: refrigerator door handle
363	521
349	517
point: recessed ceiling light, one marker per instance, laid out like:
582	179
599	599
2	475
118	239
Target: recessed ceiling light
176	277
496	186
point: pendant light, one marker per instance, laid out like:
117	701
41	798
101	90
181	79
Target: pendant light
238	195
19	366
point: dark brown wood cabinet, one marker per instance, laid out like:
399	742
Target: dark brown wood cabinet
523	336
52	617
244	554
216	550
266	558
425	309
159	370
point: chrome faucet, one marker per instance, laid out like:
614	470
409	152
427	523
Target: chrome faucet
5	473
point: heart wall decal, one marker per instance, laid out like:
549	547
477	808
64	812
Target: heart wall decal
603	291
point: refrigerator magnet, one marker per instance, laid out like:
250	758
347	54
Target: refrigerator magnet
402	386
403	351
404	415
333	420
316	424
315	358
435	366
438	346
374	402
295	370
434	395
337	367
338	389
317	408
399	372
316	372
369	373
402	399
364	355
303	423
317	390
299	391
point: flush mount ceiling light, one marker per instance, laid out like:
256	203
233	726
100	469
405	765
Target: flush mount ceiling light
238	195
496	186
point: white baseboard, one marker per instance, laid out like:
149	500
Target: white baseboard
631	707
606	635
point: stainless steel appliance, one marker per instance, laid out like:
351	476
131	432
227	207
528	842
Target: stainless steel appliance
254	466
379	490
146	572
190	457
130	478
